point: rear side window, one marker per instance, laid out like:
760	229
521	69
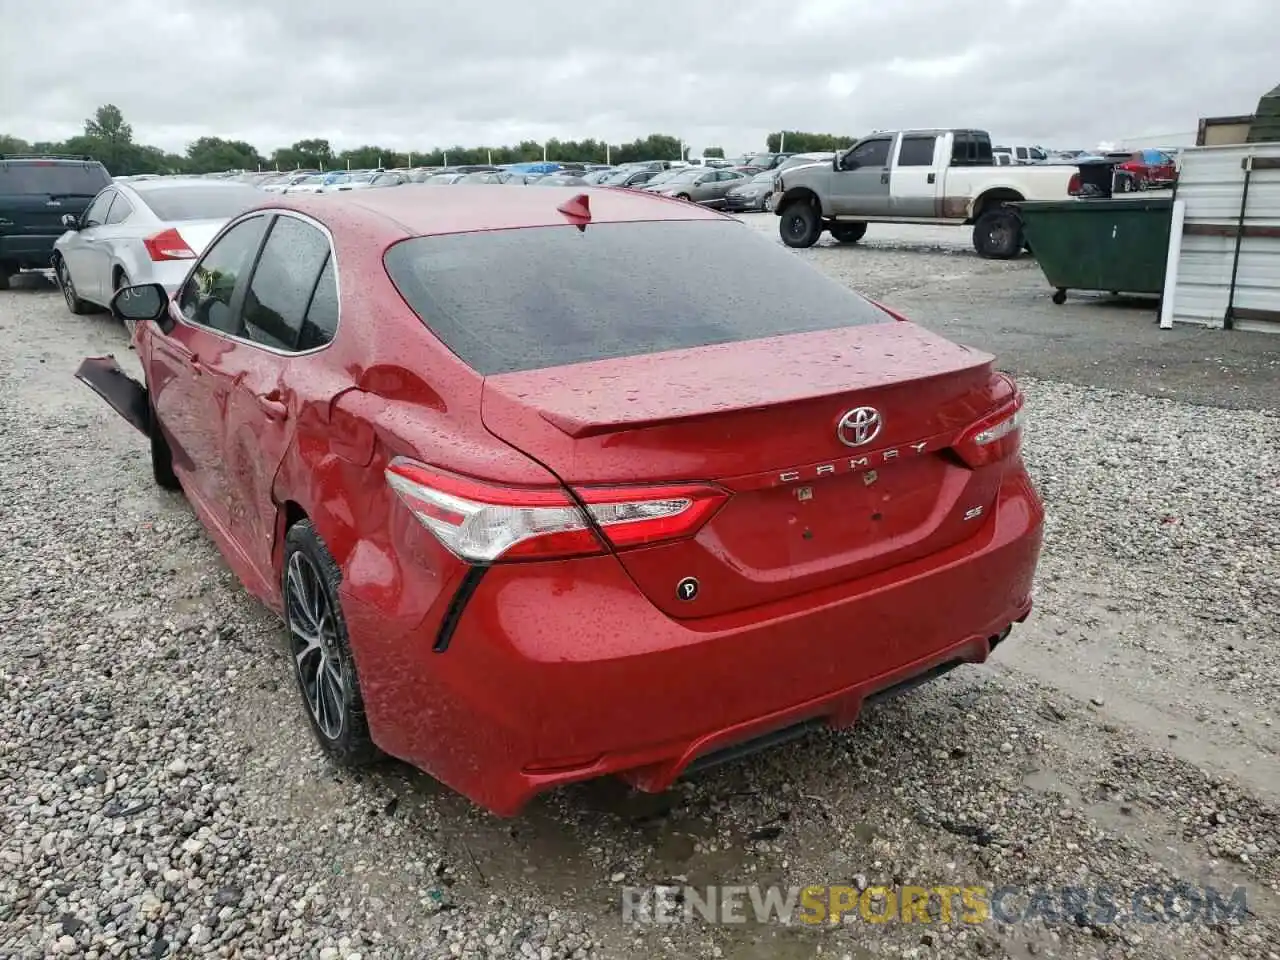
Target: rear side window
916	152
282	284
525	299
970	149
120	210
200	202
51	177
321	322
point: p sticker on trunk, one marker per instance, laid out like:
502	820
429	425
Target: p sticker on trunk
687	588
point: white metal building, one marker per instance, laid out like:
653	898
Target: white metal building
1224	262
1161	141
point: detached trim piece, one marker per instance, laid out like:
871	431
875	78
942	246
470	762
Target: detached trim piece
125	395
466	589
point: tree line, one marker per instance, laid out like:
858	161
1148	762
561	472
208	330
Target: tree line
797	141
109	139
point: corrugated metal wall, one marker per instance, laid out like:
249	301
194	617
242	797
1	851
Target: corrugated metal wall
1211	181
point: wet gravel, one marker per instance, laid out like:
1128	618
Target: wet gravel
160	795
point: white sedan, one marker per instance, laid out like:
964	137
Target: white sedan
144	231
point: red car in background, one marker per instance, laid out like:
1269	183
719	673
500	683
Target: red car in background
1150	169
552	484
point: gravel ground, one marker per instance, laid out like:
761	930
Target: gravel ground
160	795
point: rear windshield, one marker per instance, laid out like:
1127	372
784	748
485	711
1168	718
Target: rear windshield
51	177
525	299
199	201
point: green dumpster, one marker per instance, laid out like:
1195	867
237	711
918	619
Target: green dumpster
1115	245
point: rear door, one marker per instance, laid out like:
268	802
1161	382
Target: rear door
830	424
706	188
289	312
726	180
100	249
913	185
861	185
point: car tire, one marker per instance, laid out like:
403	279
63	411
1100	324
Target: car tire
998	235
67	286
684	196
122	281
799	224
848	232
5	274
320	649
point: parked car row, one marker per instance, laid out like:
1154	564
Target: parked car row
98	233
41	198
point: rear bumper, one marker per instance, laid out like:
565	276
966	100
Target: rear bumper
28	251
563	672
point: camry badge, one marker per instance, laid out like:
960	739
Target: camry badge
859	426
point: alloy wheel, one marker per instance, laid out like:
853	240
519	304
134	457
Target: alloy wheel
313	637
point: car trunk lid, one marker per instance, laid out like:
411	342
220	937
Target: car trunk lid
198	233
819	494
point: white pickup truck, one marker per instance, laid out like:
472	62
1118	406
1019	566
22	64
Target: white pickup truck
915	176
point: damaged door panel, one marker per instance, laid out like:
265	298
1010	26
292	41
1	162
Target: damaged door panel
125	395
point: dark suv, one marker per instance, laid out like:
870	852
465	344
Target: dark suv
36	193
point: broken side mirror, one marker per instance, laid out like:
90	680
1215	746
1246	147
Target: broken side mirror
133	305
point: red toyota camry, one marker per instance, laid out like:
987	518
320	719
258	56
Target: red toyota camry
548	485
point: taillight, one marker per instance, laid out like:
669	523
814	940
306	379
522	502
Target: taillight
1074	184
484	523
995	437
168	245
636	516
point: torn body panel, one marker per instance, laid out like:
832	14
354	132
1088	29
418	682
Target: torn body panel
126	395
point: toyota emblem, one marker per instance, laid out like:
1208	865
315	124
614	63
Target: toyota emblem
859	426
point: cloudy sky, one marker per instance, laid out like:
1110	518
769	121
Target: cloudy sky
423	73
